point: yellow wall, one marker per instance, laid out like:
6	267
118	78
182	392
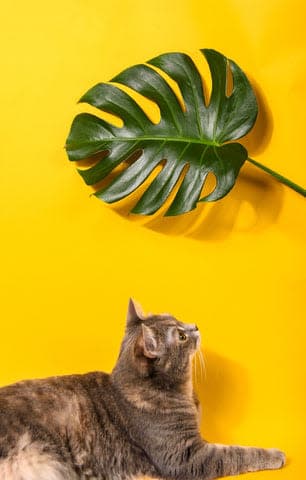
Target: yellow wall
69	263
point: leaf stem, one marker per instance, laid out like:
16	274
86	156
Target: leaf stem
280	178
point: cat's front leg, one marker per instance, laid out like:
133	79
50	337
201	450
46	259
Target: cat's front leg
207	461
223	460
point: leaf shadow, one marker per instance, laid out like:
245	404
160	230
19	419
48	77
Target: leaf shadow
223	393
257	140
252	206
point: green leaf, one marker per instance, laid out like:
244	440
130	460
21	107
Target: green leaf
189	142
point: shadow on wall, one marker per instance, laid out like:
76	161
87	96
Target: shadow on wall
223	392
259	138
253	204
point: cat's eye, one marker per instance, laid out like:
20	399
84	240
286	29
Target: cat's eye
182	336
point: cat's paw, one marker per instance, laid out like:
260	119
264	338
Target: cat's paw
277	458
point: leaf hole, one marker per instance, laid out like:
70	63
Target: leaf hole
172	84
150	108
92	160
167	203
229	86
108	117
117	170
205	74
175	189
209	185
126	204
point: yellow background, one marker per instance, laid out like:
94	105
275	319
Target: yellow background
69	263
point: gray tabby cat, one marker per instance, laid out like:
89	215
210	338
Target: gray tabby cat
141	420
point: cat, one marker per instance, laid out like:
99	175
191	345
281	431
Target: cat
140	420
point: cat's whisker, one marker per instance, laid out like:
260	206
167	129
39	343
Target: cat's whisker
198	367
202	365
199	370
194	369
200	373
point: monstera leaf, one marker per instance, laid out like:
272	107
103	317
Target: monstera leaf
191	140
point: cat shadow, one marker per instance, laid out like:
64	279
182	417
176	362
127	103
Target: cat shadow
252	206
223	392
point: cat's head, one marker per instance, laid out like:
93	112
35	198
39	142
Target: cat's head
158	346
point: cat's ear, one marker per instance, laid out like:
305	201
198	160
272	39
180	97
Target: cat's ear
148	342
134	313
